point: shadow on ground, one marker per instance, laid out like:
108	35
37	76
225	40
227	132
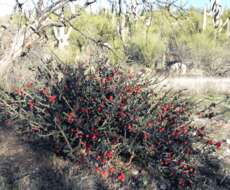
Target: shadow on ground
32	167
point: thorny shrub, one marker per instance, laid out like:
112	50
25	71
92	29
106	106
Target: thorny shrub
114	120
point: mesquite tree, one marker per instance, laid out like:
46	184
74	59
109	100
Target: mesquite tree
36	24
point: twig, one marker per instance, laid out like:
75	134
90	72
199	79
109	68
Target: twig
63	97
64	136
131	159
97	42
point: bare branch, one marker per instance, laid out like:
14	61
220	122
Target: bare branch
89	2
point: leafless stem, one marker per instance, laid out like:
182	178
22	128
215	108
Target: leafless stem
65	137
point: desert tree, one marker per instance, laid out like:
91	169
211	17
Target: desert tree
37	21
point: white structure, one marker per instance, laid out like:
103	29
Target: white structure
62	33
178	68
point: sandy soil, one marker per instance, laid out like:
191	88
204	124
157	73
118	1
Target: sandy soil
199	85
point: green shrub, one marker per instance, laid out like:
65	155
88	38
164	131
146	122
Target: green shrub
112	119
146	47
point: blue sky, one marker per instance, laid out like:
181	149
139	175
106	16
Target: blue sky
201	3
6	6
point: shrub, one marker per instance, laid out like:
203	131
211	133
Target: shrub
114	121
151	47
134	53
98	27
208	54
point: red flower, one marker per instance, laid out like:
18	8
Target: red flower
121	177
97	169
99	109
165	108
93	137
109	154
161	130
111	170
210	142
31	104
184	130
130	127
52	99
109	79
137	89
103	161
70	117
110	98
218	145
104	174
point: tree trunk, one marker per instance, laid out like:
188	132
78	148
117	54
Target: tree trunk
120	19
62	37
228	28
34	28
205	19
14	51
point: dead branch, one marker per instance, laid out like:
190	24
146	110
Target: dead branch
33	30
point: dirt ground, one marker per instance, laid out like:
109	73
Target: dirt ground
25	166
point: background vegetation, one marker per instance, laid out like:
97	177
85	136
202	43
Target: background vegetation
149	38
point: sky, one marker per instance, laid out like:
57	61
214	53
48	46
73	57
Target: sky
6	6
